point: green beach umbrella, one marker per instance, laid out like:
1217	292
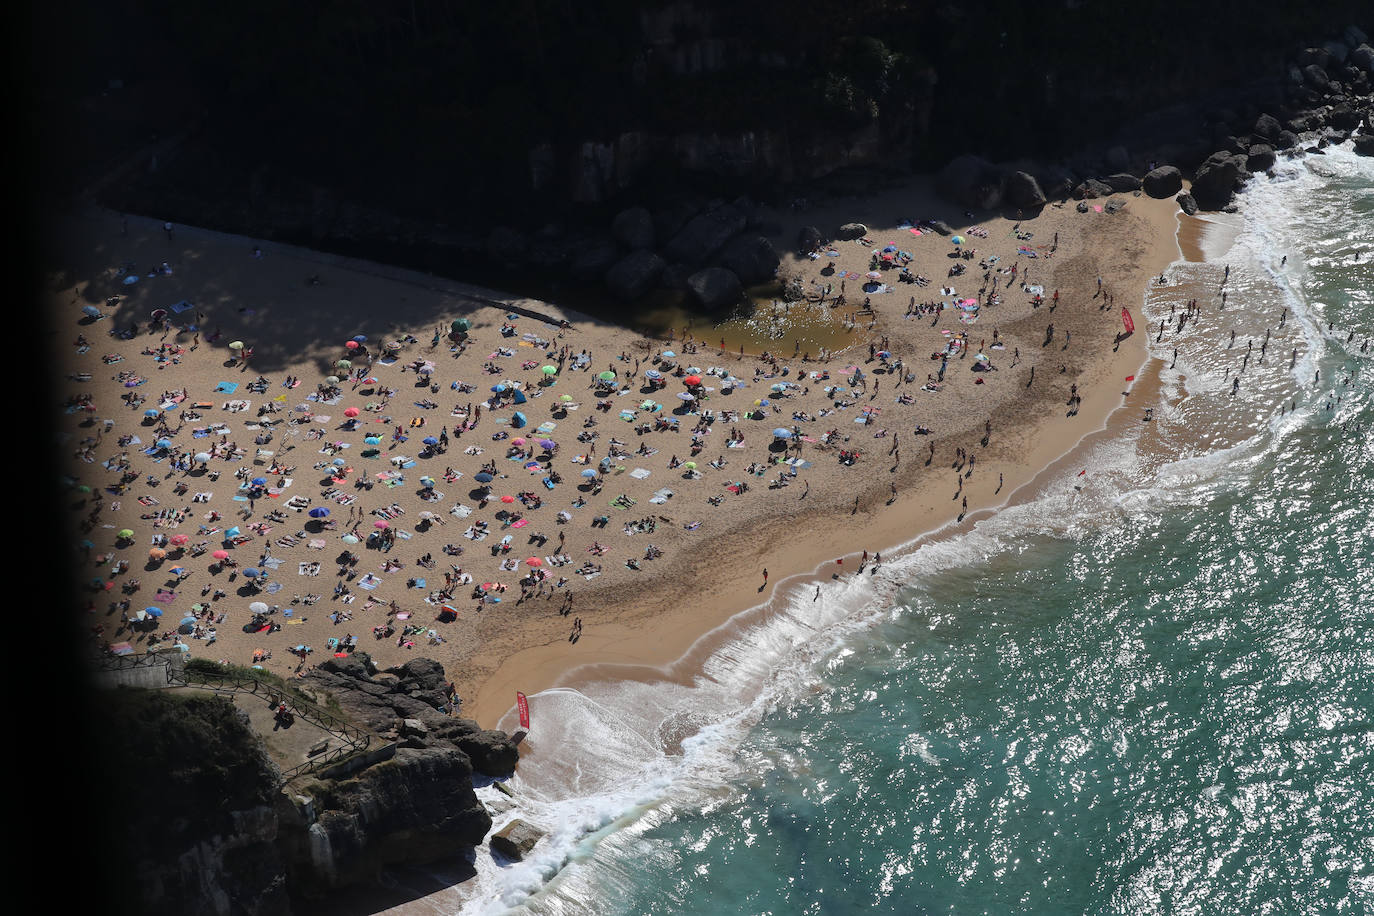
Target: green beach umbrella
607	376
565	398
549	370
461	324
236	345
125	533
344	364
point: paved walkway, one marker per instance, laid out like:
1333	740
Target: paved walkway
288	747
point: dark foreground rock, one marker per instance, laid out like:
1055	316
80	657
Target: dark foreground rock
1165	181
1187	204
1020	189
715	287
516	839
1217	179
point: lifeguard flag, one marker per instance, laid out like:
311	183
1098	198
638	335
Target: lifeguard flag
1126	320
523	705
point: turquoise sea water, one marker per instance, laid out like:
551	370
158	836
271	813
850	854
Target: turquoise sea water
1153	694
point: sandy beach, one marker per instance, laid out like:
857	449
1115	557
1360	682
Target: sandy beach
546	573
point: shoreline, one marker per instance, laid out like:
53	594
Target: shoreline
654	620
675	649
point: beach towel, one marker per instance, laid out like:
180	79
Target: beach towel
369	582
227	387
308	569
640	473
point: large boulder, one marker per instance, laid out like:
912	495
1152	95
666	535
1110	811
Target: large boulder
1343	116
420	674
1215	180
808	239
634	275
633	228
1364	144
940	226
1267	126
1092	188
516	839
715	287
1286	140
1260	158
1186	203
1123	182
1165	181
850	231
751	257
1316	77
1363	57
704	235
491	752
1020	189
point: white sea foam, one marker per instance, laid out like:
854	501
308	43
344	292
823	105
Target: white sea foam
612	760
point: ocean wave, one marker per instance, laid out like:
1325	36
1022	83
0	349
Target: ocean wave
623	756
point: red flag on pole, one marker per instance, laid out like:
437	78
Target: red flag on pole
1126	320
523	705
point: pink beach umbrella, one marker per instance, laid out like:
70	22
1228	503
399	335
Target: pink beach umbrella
179	539
534	561
351	411
380	525
220	554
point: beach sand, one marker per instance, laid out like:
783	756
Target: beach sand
645	622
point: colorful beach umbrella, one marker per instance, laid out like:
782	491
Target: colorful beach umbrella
124	534
589	473
319	512
549	370
534	561
507	498
380	524
692	380
251	573
220	554
351	412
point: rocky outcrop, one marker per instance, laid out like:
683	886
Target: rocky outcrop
1122	182
704	235
634	275
851	231
1260	158
1267	126
1364	144
1165	181
1217	179
417	807
383	702
715	287
752	258
1091	189
1020	189
808	239
1187	204
1363	58
516	839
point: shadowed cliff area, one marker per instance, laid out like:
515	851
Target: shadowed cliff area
455	111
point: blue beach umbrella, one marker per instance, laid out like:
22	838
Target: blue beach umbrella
430	440
91	310
232	532
258	482
483	477
339	462
251	573
164	443
188	620
781	433
372	440
319	512
498	388
361	338
152	412
589	473
153	611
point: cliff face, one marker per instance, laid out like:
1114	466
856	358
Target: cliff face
218	836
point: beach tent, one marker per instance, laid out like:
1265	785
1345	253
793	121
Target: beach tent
519	396
518	420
